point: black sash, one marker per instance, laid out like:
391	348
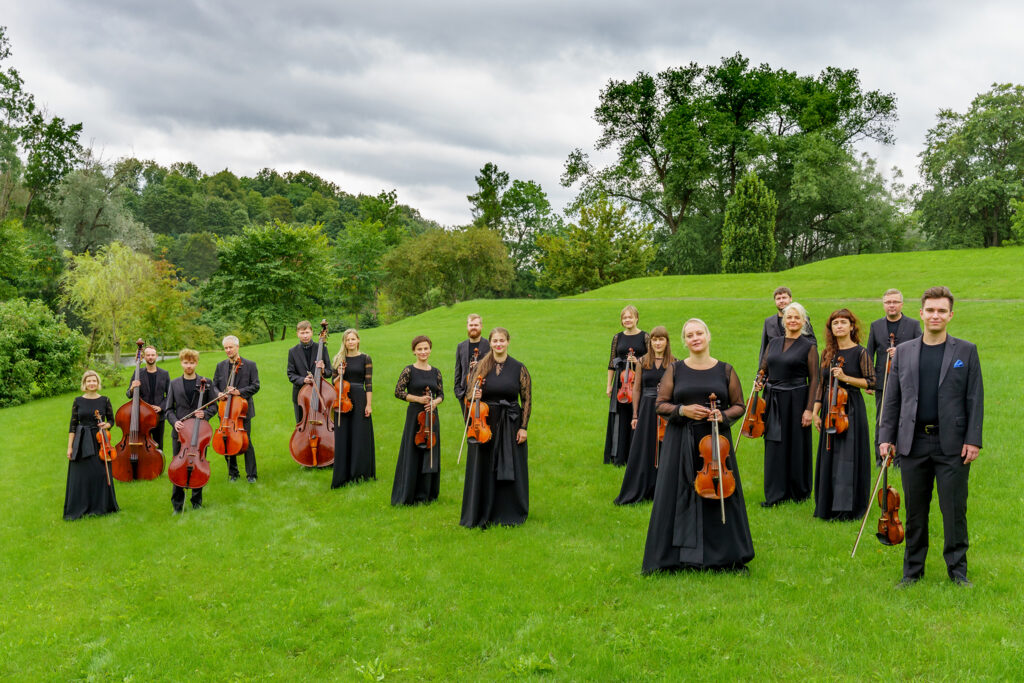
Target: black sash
84	445
505	429
773	427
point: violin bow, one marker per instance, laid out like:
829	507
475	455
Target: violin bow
885	463
718	457
750	397
469	416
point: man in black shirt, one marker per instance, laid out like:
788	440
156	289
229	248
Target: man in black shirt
182	404
246	384
301	363
773	326
932	415
152	386
464	356
902	328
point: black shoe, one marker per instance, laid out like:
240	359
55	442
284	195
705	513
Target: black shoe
766	504
197	506
233	477
907	581
176	511
961	581
251	480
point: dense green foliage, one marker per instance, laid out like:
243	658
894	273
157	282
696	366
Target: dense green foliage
748	237
289	579
39	354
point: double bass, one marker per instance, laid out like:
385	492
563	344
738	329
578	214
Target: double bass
231	437
189	469
137	455
312	442
715	479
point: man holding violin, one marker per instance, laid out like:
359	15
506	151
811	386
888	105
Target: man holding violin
246	384
464	356
932	416
901	328
152	386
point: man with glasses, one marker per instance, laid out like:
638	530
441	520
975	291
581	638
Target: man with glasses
903	329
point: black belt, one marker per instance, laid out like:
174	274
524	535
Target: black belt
926	429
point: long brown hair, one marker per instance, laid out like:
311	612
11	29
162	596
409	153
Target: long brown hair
831	345
647	362
486	364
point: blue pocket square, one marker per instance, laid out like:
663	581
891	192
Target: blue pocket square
958	364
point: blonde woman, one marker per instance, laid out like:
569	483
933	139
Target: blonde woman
88	492
354	451
619	434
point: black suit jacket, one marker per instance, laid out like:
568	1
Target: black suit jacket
177	406
247	381
878	341
773	328
961	397
462	361
298	367
159	395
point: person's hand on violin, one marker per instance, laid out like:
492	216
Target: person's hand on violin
135	384
309	375
806	418
320	364
478	394
521	436
838	373
179	425
714	415
759	384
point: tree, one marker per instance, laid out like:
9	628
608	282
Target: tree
606	247
107	289
17	261
973	168
748	239
358	254
167	316
272	275
39	354
485	204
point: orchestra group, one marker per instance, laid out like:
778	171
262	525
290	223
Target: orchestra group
669	425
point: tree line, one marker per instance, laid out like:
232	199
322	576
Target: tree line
727	167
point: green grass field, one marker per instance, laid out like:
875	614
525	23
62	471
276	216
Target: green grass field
287	579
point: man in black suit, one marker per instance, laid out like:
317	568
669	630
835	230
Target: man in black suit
246	384
301	363
773	326
464	356
933	412
902	328
152	386
182	404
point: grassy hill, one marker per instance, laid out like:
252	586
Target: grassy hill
288	579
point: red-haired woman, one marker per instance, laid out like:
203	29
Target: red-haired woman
842	481
619	433
641	467
418	472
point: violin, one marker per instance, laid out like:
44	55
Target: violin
662	423
753	418
890	528
312	442
425	436
231	437
106	451
836	420
341	388
137	455
189	469
478	430
714	480
626	378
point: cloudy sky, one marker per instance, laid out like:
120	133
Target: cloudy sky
417	96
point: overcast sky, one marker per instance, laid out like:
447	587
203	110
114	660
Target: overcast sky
417	96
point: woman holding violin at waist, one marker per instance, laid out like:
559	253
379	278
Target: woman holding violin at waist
790	364
497	486
418	472
642	465
354	451
90	489
687	530
627	346
843	476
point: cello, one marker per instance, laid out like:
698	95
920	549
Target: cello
715	479
137	455
312	442
189	469
231	437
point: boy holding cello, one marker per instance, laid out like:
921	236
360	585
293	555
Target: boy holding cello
182	404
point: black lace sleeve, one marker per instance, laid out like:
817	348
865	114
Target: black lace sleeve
867	369
74	415
647	342
108	410
663	403
440	384
812	372
402	388
525	395
736	404
367	373
611	356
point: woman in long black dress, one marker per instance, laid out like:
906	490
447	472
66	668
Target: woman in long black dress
88	491
843	475
686	530
418	472
497	487
619	434
354	451
791	377
642	466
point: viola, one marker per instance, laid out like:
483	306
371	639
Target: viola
478	430
137	454
714	480
341	388
425	436
753	418
836	420
106	451
189	469
312	442
626	378
890	528
231	437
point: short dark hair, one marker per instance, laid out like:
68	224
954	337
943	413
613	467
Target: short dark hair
419	339
782	290
937	293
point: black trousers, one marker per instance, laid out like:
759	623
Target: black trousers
177	492
925	464
250	456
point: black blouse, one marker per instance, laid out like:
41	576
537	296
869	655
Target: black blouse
359	370
509	381
416	382
789	363
622	343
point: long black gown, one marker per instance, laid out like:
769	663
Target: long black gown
497	487
87	491
842	480
686	530
418	472
641	471
354	451
791	369
619	434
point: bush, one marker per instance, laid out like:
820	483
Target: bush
39	354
